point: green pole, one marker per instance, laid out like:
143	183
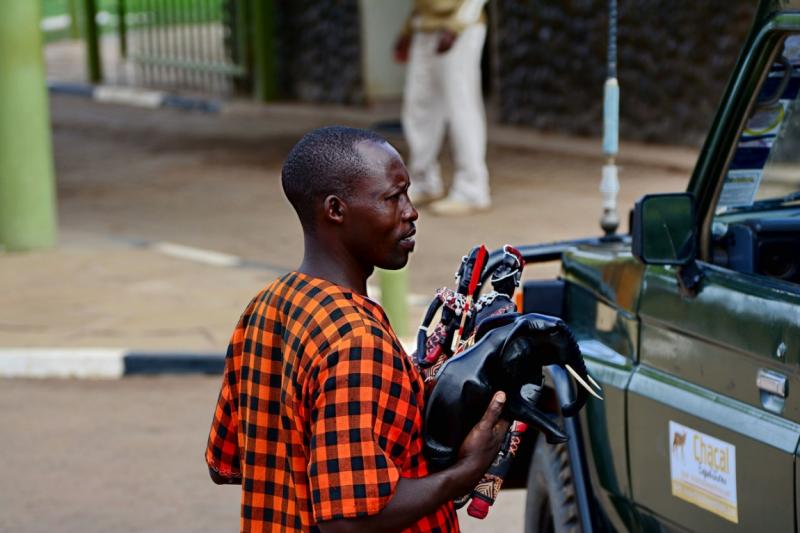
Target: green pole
74	20
122	28
264	74
27	191
394	291
93	61
244	42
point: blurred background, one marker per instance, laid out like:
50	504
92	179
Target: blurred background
544	63
141	143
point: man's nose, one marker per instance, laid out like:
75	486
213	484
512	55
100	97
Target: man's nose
410	212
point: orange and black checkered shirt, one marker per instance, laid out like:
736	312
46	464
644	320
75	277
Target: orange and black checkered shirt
320	411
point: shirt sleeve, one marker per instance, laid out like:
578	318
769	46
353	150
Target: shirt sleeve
453	15
363	414
222	450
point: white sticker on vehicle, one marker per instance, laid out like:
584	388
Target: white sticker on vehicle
739	188
703	471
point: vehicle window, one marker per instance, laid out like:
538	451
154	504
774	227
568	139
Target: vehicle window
756	227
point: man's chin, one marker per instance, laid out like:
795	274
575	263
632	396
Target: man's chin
396	263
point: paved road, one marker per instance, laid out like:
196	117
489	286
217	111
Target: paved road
126	456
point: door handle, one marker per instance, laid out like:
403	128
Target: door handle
772	383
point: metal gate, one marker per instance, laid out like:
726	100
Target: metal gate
194	45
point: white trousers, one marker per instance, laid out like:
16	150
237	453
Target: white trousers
445	90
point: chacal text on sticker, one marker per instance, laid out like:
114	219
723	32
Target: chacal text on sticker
703	471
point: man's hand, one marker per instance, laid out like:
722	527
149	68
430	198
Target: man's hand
480	447
446	40
401	47
415	498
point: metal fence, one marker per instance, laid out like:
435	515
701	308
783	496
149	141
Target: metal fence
185	44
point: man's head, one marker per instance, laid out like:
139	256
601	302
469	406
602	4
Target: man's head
349	189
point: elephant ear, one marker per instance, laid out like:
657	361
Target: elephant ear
524	386
553	343
573	362
571	359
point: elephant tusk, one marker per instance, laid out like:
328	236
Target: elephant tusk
580	380
593	382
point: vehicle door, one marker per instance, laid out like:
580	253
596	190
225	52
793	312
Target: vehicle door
714	405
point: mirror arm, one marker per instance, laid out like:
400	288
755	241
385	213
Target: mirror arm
690	276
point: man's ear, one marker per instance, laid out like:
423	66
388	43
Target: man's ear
334	208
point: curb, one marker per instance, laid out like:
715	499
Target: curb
116	363
111	363
176	363
135	97
103	363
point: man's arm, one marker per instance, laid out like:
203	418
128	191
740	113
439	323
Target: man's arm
416	498
468	13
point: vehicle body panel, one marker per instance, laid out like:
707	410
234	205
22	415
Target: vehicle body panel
669	355
764	469
601	298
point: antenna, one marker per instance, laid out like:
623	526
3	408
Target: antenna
609	184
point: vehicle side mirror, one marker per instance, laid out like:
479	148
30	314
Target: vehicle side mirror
664	229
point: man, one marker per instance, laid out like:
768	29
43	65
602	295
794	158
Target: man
320	412
443	88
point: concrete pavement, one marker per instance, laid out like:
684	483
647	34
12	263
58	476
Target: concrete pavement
171	220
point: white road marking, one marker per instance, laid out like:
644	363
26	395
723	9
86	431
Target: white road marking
200	255
104	363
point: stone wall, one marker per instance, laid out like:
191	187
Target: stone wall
674	59
319	51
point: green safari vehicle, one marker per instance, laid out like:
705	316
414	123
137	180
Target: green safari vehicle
691	324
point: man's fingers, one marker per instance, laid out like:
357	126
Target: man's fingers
492	414
501	427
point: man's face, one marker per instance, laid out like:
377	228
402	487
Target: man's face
379	227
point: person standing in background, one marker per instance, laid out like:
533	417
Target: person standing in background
442	42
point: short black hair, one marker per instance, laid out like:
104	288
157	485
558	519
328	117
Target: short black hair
323	162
